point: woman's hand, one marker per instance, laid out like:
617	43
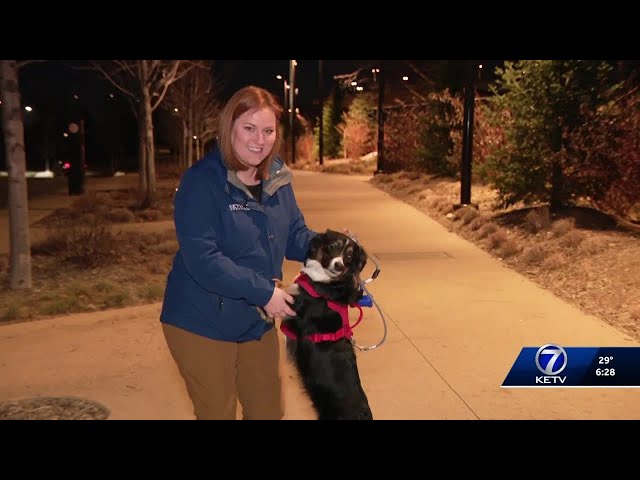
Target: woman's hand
278	306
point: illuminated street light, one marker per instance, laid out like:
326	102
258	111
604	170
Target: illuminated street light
285	87
405	78
292	90
28	108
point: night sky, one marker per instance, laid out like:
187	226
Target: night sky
262	73
60	94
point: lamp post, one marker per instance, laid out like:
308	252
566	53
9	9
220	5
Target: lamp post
467	134
320	119
380	168
292	83
285	87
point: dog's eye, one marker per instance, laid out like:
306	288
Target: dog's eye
333	245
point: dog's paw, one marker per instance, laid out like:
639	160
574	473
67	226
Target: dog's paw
263	314
293	289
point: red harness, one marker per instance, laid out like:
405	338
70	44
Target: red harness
343	332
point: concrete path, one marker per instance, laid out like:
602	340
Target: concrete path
457	319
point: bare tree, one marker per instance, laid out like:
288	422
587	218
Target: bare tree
193	100
145	82
13	130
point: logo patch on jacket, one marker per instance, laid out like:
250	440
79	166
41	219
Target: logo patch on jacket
234	207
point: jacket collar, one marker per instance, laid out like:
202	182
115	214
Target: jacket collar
279	173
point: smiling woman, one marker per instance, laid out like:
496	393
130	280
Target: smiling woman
236	221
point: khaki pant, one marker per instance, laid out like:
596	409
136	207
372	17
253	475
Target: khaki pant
218	374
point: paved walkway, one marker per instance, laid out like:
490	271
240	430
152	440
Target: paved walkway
457	319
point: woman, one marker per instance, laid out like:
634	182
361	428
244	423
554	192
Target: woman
236	219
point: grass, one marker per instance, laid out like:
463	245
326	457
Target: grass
68	279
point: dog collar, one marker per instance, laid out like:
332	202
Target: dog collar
346	331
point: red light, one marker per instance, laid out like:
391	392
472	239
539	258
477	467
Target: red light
66	165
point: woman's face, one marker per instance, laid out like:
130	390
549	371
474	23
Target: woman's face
253	135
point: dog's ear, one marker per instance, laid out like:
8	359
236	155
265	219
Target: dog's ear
315	245
359	258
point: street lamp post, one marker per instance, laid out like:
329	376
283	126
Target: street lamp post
467	134
285	87
292	83
320	119
380	162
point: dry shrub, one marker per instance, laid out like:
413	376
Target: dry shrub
151	292
159	262
534	255
477	222
305	150
487	229
122	196
383	178
572	239
86	247
401	184
168	247
466	214
149	215
436	202
166	210
104	286
86	203
555	261
102	208
593	245
537	220
496	239
425	194
412	189
413	175
508	248
169	168
120	215
561	227
11	313
458	213
442	205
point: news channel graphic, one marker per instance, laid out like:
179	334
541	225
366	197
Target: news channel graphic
552	366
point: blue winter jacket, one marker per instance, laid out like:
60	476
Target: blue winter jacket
230	249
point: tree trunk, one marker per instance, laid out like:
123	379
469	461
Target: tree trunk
190	137
142	153
13	129
185	146
150	153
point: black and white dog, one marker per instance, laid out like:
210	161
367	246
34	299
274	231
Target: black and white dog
318	338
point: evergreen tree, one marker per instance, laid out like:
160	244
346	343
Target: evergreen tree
538	103
331	118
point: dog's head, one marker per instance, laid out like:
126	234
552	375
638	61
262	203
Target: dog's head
333	256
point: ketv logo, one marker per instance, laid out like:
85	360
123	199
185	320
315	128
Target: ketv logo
551	360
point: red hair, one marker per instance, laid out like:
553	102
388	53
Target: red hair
245	99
